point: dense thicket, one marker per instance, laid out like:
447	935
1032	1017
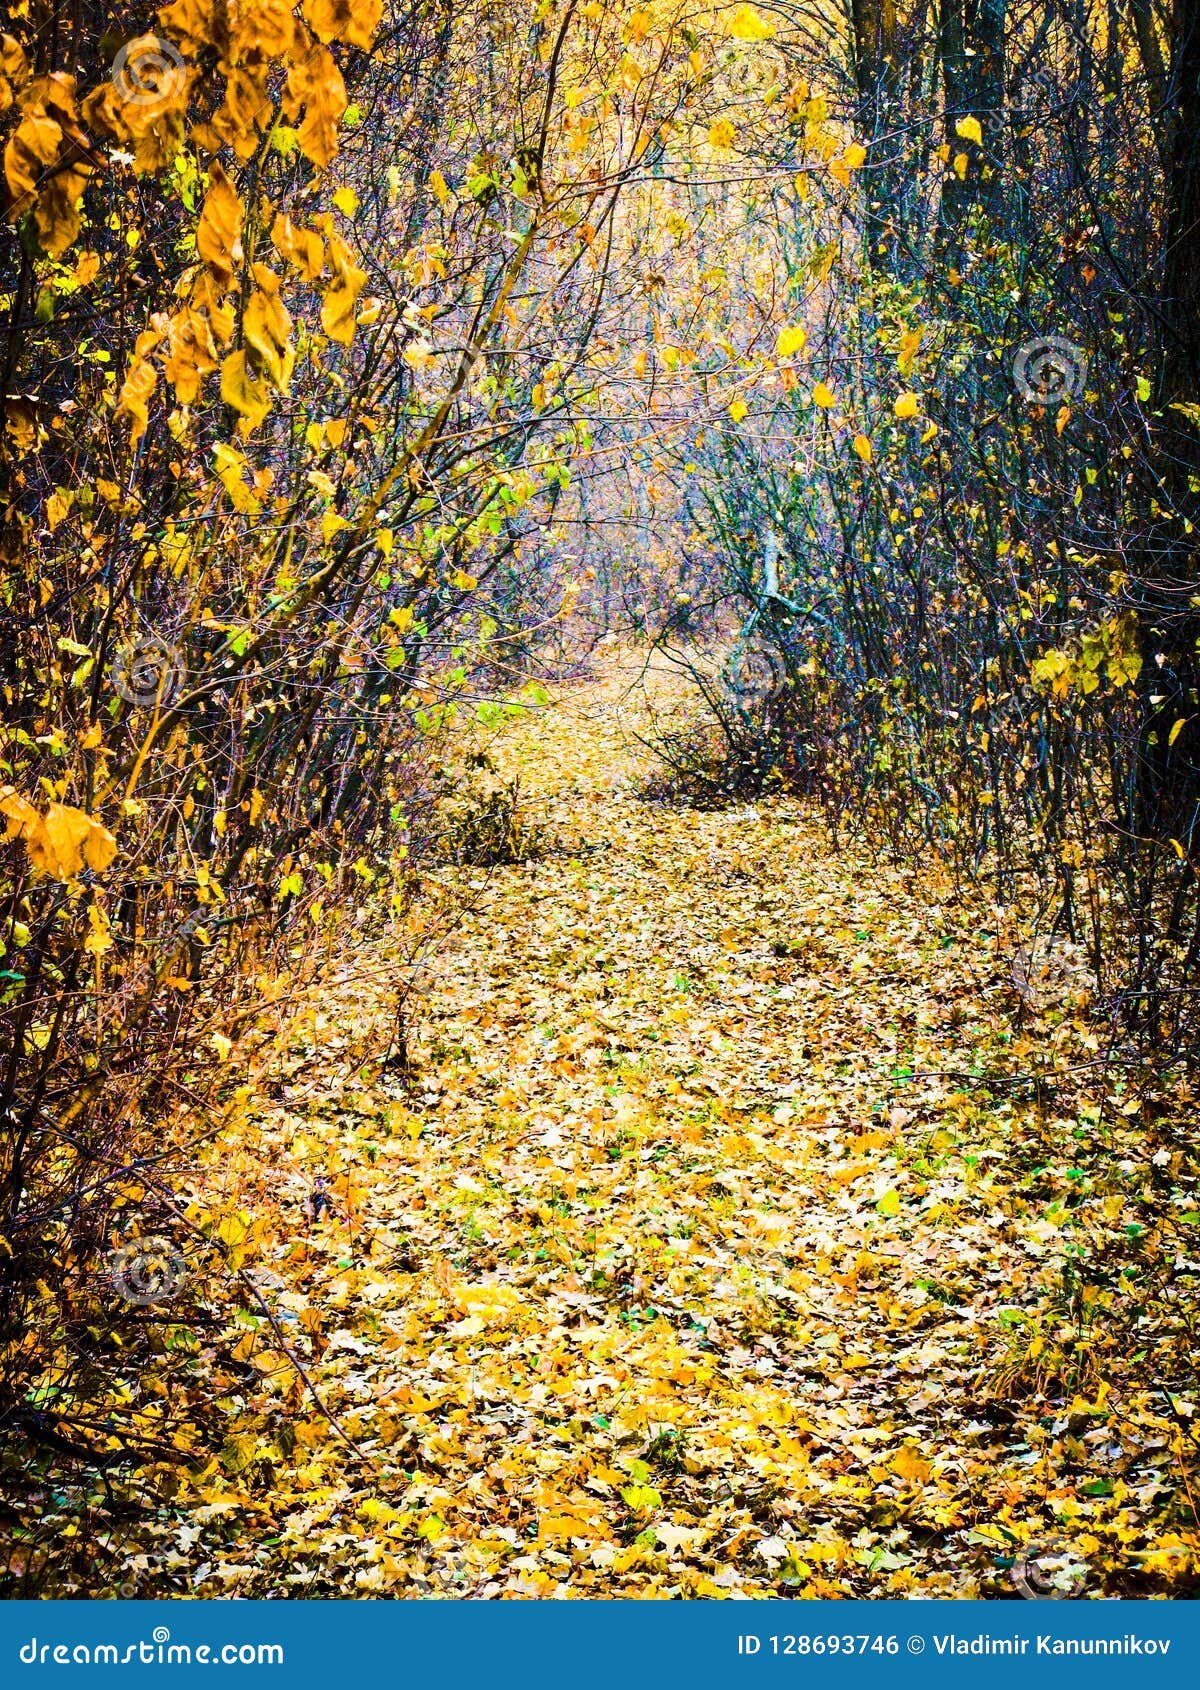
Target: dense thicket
281	409
979	501
345	341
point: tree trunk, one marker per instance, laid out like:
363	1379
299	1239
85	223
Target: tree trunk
971	39
1169	768
877	84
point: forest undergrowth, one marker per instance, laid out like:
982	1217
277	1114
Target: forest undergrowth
746	1217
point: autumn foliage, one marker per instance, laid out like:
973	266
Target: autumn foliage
364	362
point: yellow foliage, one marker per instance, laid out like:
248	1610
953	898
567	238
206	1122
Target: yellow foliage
746	24
354	21
246	392
219	234
302	247
231	467
337	311
315	87
62	841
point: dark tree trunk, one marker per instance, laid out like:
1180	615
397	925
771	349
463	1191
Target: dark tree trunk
1169	772
971	41
877	86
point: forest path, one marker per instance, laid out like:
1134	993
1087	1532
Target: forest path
676	1267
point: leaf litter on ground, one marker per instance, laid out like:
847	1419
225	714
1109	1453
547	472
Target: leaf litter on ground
753	1219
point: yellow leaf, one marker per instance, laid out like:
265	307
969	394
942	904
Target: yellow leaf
267	328
1176	730
745	24
906	406
854	155
737	410
230	465
354	21
222	1046
960	166
33	145
721	134
346	200
60	842
889	1203
910	1464
862	448
136	392
909	345
231	1229
337	311
100	939
641	1498
302	247
315	86
248	395
219	233
967	129
790	340
823	397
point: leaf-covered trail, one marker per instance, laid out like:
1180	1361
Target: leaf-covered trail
680	1266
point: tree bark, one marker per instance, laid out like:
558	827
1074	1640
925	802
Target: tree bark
971	40
877	86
